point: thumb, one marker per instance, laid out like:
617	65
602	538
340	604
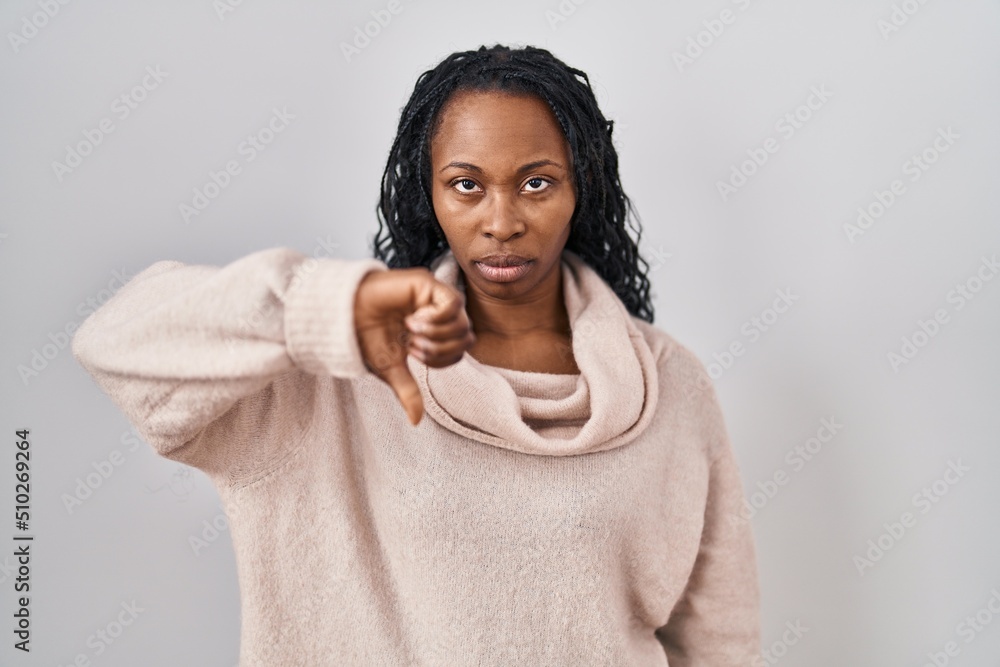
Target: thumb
439	304
398	377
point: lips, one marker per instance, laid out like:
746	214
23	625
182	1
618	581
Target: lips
503	260
503	269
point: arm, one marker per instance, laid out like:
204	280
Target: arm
717	620
189	352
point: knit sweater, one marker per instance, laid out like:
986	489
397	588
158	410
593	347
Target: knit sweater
528	519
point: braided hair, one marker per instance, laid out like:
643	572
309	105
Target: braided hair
409	233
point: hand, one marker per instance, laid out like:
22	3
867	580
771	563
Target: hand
409	311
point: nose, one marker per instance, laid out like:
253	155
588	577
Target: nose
503	220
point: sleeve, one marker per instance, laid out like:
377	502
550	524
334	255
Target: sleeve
716	621
201	359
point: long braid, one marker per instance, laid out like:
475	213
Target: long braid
409	233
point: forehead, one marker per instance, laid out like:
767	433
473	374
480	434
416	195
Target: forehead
492	127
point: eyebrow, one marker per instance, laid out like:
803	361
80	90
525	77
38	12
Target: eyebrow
527	167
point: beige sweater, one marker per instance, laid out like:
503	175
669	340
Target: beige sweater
529	519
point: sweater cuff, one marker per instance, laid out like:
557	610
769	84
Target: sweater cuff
319	316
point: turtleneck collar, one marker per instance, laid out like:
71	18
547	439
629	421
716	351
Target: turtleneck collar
606	405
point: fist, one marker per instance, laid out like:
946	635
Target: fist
408	311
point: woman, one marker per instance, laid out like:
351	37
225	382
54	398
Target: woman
573	498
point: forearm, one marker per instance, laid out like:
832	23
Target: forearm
179	345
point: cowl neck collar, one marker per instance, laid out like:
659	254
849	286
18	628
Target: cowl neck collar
606	405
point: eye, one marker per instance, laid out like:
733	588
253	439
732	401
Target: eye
538	184
465	185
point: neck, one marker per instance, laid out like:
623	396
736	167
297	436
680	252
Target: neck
542	310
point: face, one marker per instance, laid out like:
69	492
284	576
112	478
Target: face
502	185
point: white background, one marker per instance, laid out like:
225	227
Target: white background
717	263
